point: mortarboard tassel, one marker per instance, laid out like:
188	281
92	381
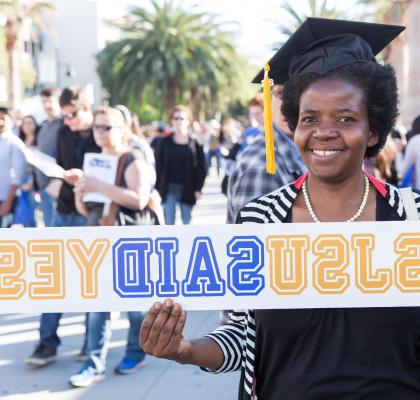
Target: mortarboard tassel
268	122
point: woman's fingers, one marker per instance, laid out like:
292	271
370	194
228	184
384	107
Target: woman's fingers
168	328
158	323
176	337
148	323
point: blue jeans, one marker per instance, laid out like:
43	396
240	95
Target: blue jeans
47	207
49	322
173	197
99	336
70	219
48	326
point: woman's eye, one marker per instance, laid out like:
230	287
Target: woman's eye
308	120
345	120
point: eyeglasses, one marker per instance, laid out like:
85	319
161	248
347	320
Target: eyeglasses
104	128
178	118
70	115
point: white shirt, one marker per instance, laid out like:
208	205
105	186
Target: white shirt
12	162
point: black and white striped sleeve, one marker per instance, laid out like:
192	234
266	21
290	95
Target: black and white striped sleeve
231	339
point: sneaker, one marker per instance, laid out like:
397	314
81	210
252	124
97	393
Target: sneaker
86	377
128	366
42	356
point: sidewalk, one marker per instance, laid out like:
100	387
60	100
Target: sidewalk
159	380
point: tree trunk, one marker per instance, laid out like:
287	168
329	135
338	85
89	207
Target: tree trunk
12	29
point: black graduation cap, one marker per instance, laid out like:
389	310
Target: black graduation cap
321	45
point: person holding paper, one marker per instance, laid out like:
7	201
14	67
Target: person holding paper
341	105
129	194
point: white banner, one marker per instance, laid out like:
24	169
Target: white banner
360	264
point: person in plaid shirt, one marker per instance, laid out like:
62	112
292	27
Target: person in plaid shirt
249	178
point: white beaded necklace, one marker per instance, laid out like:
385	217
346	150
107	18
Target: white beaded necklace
353	218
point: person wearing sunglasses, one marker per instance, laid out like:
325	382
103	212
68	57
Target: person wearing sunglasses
180	167
131	194
74	139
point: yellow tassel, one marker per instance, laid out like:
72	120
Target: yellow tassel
268	122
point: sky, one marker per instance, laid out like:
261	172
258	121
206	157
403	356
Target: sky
258	19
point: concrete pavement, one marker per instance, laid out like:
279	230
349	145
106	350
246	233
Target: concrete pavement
159	380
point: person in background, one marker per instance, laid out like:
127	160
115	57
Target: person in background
47	143
409	162
256	120
383	164
180	167
249	178
75	139
131	195
12	167
28	133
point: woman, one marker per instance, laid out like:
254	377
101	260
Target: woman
180	167
340	104
131	194
29	197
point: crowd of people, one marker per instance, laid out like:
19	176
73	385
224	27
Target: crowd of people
160	169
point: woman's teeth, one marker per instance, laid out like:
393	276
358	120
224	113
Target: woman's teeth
324	153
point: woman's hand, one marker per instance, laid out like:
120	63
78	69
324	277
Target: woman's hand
161	332
197	195
88	184
73	175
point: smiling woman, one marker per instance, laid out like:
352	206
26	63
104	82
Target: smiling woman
341	104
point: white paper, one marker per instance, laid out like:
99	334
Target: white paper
102	167
45	163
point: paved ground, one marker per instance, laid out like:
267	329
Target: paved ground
159	380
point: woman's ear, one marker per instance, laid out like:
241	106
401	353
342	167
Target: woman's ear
373	139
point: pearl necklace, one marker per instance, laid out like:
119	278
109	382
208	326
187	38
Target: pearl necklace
353	218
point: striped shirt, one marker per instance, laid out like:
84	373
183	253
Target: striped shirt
237	338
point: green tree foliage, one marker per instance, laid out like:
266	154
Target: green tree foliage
314	8
168	54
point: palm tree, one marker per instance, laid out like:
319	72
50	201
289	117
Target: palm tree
174	53
386	11
316	8
17	12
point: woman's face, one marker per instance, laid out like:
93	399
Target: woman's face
333	129
28	126
180	121
107	131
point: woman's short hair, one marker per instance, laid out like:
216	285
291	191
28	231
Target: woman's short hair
378	83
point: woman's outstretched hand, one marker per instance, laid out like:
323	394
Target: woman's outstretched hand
161	332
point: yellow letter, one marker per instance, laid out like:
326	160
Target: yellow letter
88	261
288	263
50	267
12	266
328	269
367	280
407	266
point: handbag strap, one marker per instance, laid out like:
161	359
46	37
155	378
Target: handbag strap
409	204
113	209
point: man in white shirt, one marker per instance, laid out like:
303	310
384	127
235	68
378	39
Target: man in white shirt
12	167
411	158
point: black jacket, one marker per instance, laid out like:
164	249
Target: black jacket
195	169
71	149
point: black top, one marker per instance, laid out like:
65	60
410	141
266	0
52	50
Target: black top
193	167
176	162
339	354
71	149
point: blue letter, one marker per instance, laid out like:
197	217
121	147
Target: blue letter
248	259
131	264
167	285
203	276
